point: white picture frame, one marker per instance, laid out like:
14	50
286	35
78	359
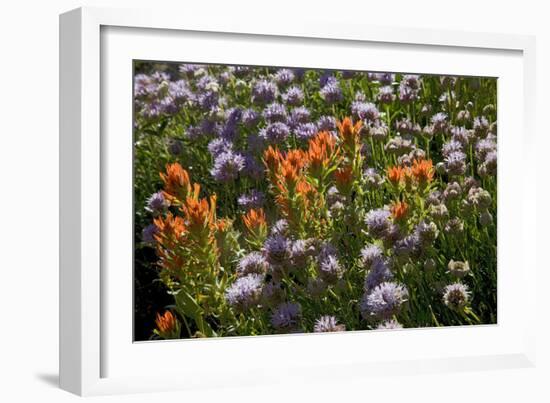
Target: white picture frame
85	314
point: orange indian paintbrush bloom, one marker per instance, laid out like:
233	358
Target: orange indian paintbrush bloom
166	323
200	213
176	181
321	149
296	158
171	227
344	178
350	132
395	174
422	170
254	220
272	159
399	210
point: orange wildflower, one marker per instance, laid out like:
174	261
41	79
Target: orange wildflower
171	227
344	179
289	172
321	149
167	326
176	181
272	159
423	171
399	210
296	158
199	213
254	220
350	132
395	174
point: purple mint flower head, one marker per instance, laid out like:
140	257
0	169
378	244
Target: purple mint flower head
370	254
412	81
455	163
330	270
331	92
207	83
461	135
277	250
481	126
156	203
327	78
378	222
305	131
450	147
227	166
407	94
456	296
250	118
326	123
385	94
286	316
365	111
293	96
274	112
179	90
207	100
299	115
377	274
300	250
275	133
408	246
148	233
389	325
426	232
327	323
484	147
384	301
189	69
264	92
439	122
251	200
254	262
218	146
245	292
284	77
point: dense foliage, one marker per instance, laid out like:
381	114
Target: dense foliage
275	200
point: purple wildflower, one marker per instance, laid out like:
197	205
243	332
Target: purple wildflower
331	91
156	203
254	262
384	301
245	292
330	269
378	222
227	166
456	296
328	323
326	123
277	250
276	132
219	146
148	233
264	92
284	77
377	274
305	131
389	325
365	111
293	96
250	118
385	94
274	112
286	316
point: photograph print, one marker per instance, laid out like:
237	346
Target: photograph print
273	200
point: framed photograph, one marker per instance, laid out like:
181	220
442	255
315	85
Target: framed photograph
241	202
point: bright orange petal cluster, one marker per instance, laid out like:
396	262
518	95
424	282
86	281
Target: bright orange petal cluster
254	220
350	133
166	322
200	214
422	170
321	149
399	210
176	181
395	174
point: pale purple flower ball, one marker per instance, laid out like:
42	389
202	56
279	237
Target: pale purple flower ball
219	146
245	292
327	323
274	112
407	94
280	227
284	77
330	270
386	95
456	296
370	254
299	115
382	78
331	92
439	122
250	118
451	147
227	166
412	81
286	316
384	301
253	168
156	203
254	262
378	222
373	179
305	131
264	92
326	123
378	272
275	133
455	163
293	96
365	111
277	250
481	126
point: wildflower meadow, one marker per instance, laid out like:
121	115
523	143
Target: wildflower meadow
288	200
